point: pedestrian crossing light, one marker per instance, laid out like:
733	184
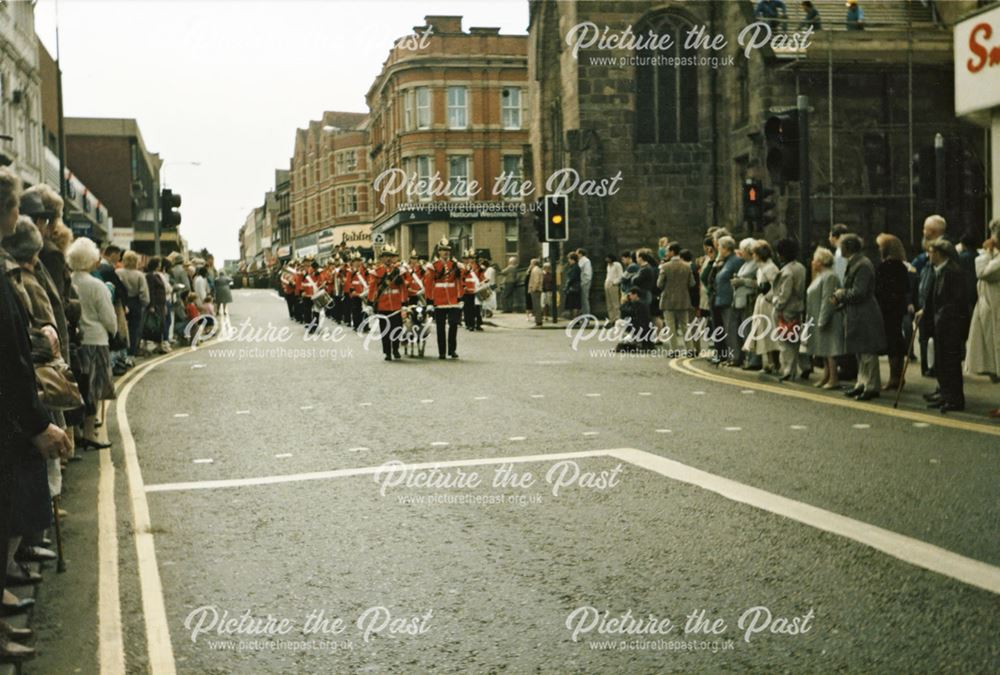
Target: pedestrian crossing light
170	217
556	218
752	204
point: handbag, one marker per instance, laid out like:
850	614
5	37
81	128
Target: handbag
152	327
57	388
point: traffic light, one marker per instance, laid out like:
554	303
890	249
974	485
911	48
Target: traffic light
752	204
538	217
169	203
556	218
781	135
768	207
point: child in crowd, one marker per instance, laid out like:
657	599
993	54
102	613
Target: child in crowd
208	306
191	306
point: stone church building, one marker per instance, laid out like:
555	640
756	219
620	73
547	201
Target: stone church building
686	129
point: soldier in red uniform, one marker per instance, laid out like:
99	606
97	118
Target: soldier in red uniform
356	284
444	285
414	272
387	286
312	283
471	307
288	290
297	282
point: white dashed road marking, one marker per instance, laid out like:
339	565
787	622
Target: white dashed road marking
282	455
538	396
180	415
747	391
734	428
921	425
797	427
517	438
439	444
481	398
357	449
645	393
697	393
591	433
305	407
204	461
365	404
426	400
664	431
242	412
862	426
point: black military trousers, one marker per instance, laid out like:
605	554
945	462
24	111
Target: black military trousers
452	316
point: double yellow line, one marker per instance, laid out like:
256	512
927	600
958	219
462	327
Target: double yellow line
686	367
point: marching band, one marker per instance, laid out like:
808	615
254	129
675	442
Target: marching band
392	297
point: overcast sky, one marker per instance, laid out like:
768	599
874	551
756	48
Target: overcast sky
226	82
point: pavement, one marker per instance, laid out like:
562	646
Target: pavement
749	525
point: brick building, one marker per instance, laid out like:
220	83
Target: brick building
449	111
328	184
684	137
110	157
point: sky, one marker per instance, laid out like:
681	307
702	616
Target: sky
225	83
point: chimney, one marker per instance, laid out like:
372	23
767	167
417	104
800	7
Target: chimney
479	30
444	24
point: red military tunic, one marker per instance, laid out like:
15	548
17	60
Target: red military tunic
355	282
444	283
471	278
387	294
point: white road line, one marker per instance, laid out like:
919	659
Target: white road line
645	393
517	438
365	404
481	398
909	550
439	444
862	426
206	460
538	396
697	393
154	612
747	391
593	395
181	415
196	366
797	427
921	425
111	655
360	448
242	412
305	407
734	429
283	455
591	433
664	431
426	400
364	471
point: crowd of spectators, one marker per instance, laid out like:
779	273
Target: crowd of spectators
71	318
753	304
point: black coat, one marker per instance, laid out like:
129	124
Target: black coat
21	413
950	304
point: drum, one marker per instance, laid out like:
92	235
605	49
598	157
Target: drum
321	299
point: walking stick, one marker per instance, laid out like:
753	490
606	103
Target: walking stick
906	364
61	563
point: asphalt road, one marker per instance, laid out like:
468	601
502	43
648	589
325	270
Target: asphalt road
444	578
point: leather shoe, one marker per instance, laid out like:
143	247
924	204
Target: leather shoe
867	395
15	634
23	576
934	395
951	407
20	607
35	554
94	445
937	403
12	652
852	393
454	355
